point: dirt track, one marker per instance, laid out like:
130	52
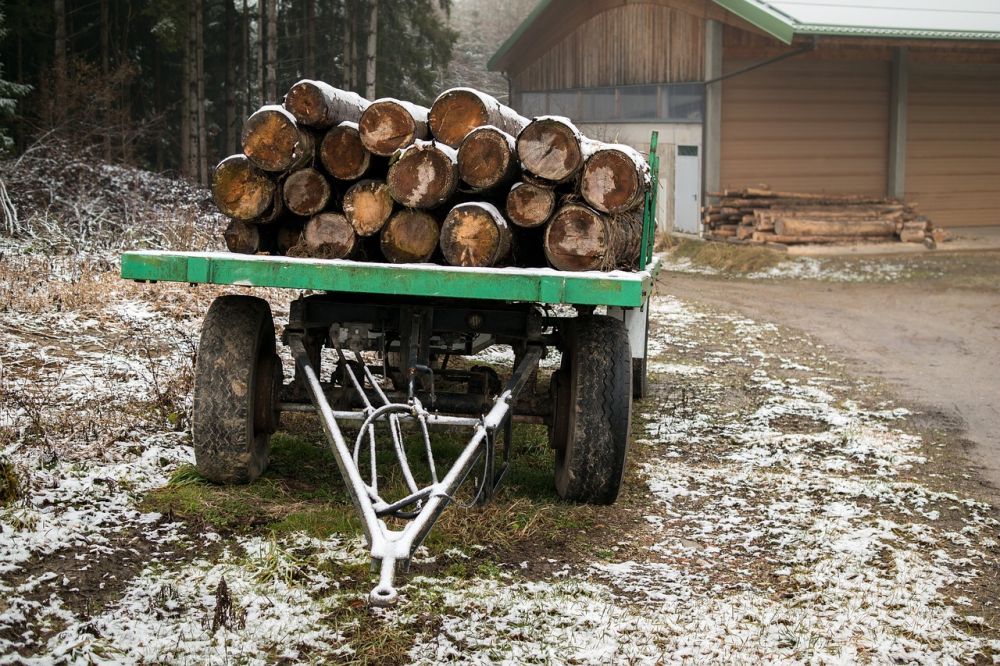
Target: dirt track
937	339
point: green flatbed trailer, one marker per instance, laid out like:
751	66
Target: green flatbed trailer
393	329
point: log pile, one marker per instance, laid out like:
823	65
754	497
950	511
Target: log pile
759	215
466	182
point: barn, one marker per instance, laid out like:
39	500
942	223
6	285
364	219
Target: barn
894	97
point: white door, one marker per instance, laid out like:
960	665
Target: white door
687	190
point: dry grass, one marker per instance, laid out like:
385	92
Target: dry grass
724	256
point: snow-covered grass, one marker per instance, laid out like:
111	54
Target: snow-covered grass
808	268
777	511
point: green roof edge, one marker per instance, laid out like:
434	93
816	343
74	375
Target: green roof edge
767	21
516	35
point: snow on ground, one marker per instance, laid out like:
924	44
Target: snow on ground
876	269
785	520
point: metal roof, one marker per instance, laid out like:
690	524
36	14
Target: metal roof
886	19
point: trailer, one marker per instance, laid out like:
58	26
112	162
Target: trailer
392	330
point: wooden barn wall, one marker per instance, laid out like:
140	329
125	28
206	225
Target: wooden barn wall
807	125
630	44
953	142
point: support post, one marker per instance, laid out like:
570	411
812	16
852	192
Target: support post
896	178
712	122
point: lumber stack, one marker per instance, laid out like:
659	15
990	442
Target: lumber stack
759	215
466	182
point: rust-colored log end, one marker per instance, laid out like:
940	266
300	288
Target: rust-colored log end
484	158
456	113
273	141
306	192
611	182
530	205
307	103
472	235
240	189
423	177
577	240
550	150
368	206
343	154
410	236
387	126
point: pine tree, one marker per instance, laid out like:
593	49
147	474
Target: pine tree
10	92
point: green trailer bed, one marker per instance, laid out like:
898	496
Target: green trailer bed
539	285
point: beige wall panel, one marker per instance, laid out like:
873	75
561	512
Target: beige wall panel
953	142
815	126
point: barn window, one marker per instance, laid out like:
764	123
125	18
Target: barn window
639	103
664	102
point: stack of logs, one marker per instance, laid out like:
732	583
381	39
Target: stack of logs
762	216
467	182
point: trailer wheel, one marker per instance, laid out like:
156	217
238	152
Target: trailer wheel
593	403
236	386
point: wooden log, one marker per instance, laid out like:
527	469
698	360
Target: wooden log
241	190
274	142
790	226
580	239
475	234
410	236
425	175
486	159
458	111
744	232
288	236
912	235
343	154
530	205
390	124
326	236
614	179
243	238
319	105
765	237
368	206
306	192
550	149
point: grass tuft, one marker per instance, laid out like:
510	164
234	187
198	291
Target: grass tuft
726	257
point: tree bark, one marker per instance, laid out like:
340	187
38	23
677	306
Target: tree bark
200	92
614	180
410	236
790	226
580	239
326	236
475	234
262	48
530	205
486	159
310	38
343	154
272	51
371	49
368	206
306	192
390	124
348	46
424	176
550	149
60	60
241	190
458	111
320	105
105	68
243	238
229	135
191	65
247	86
274	142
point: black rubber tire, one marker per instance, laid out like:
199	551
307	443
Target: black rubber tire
593	410
236	384
640	371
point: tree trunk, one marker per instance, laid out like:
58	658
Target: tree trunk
326	236
614	180
368	206
274	142
790	226
306	192
343	154
319	105
550	149
272	51
310	39
200	93
388	125
458	111
475	234
424	176
348	46
60	60
105	68
262	49
241	190
247	85
243	238
229	135
530	205
410	236
371	48
580	239
486	159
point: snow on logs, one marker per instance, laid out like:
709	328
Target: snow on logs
468	182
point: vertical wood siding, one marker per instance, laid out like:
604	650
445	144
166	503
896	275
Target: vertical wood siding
630	44
812	126
953	142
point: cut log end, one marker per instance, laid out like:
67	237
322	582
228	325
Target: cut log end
550	149
306	192
274	142
241	190
423	177
343	154
455	113
368	205
612	182
243	238
580	239
475	234
326	236
410	236
386	126
308	103
530	205
486	158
